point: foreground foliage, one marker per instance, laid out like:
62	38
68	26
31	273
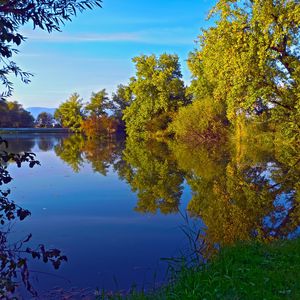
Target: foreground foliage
44	14
15	255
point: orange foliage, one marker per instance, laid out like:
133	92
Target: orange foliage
96	126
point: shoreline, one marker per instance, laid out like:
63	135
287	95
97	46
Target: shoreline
34	130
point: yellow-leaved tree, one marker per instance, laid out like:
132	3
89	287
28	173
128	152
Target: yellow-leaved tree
248	64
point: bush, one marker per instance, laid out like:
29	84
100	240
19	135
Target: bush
199	121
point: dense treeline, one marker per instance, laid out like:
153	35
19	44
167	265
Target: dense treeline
92	118
245	71
146	105
12	114
248	66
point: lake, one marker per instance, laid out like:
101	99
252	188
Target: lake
116	208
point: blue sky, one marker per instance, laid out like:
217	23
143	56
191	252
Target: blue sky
94	51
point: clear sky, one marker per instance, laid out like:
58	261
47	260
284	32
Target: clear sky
94	51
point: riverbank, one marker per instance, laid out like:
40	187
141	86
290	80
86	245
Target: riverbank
245	271
34	130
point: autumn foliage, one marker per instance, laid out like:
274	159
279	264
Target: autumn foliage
97	126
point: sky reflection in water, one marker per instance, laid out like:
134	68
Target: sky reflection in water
91	218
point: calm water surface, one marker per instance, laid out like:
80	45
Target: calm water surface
87	211
112	207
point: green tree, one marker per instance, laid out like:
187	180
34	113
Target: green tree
98	105
121	99
44	14
14	115
205	118
44	119
70	113
158	91
251	60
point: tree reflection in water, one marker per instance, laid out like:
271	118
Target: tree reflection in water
240	191
45	143
76	150
241	195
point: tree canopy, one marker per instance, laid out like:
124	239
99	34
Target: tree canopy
98	105
157	89
121	99
14	115
44	119
250	60
70	113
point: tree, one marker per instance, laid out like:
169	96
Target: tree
44	119
251	58
158	91
14	115
70	113
99	127
121	99
98	124
205	118
44	14
98	104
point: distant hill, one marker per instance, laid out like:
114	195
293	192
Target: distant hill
35	111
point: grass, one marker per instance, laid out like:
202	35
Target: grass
245	271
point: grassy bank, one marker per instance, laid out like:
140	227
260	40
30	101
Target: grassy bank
245	271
